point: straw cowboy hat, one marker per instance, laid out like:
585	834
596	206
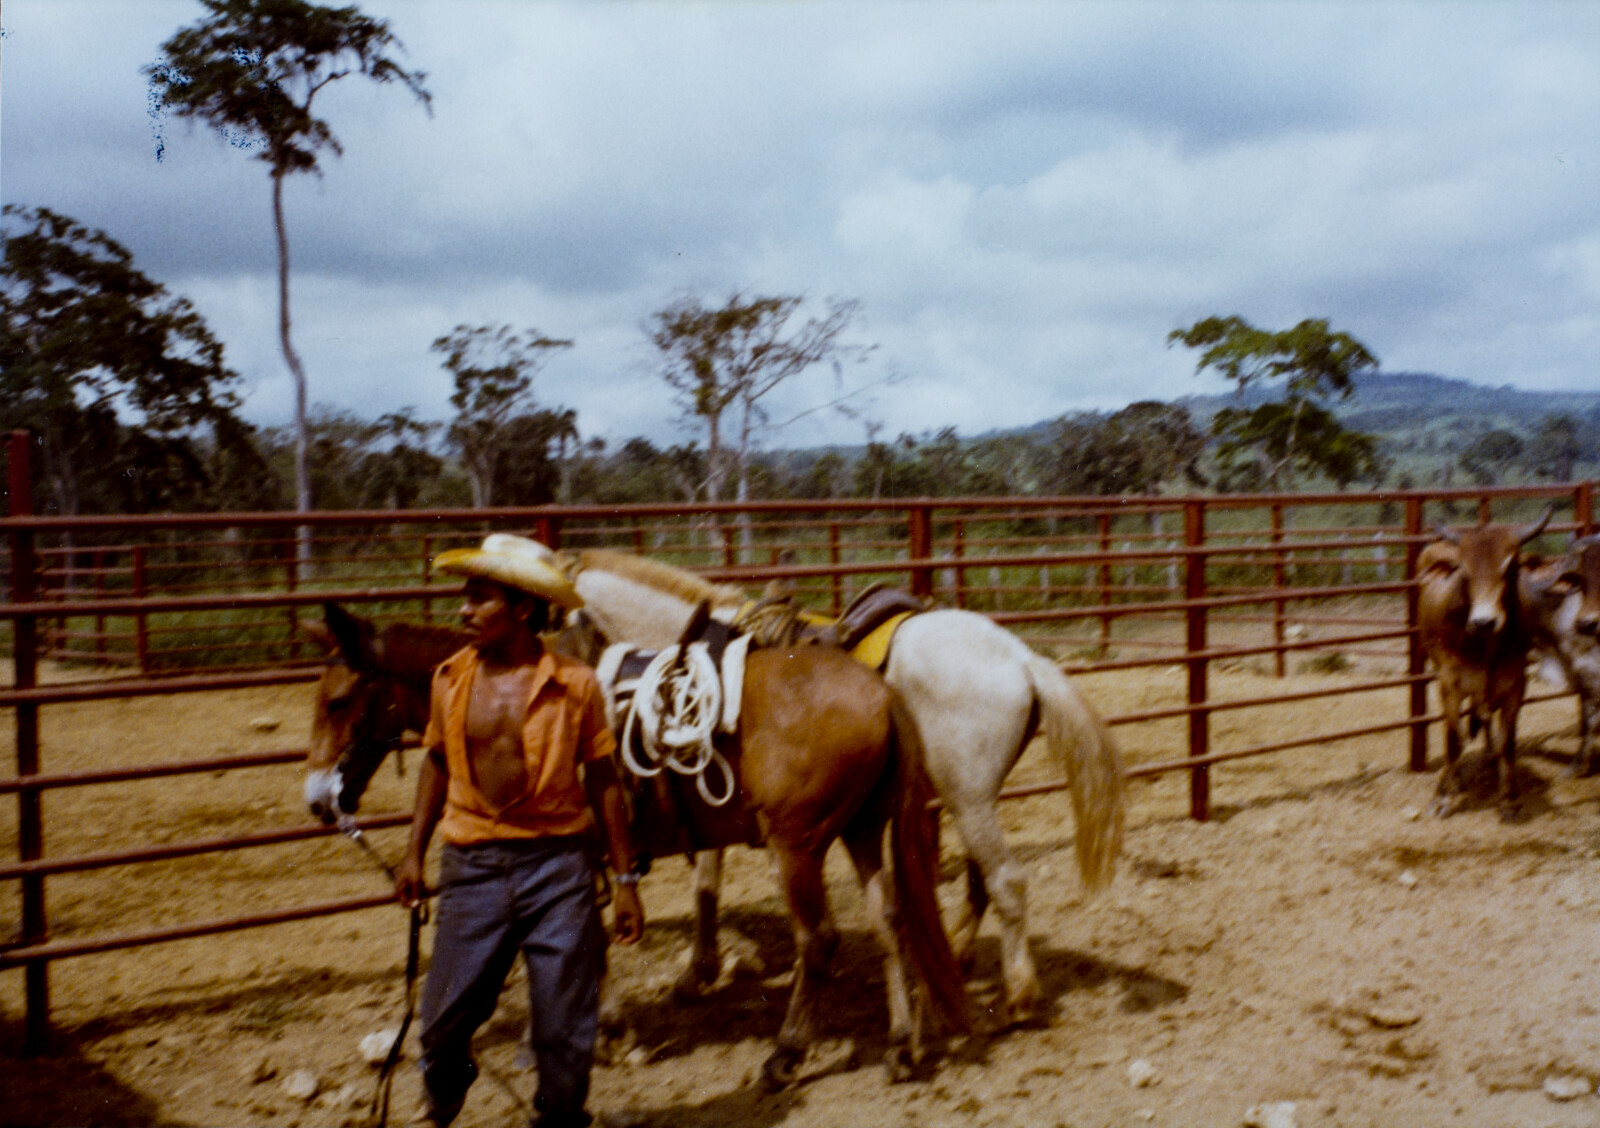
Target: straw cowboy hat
516	562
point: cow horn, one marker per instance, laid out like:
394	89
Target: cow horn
1534	530
1445	533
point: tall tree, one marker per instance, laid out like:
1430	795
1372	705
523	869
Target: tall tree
1266	447
493	369
115	375
1136	450
1487	457
1554	452
251	70
732	356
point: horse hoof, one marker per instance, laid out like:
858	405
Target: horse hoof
901	1064
1022	1012
782	1067
693	985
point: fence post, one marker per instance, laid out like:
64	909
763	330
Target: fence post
1414	655
1194	590
141	622
836	586
919	524
1103	523
291	581
1279	578
1583	508
958	550
547	531
30	816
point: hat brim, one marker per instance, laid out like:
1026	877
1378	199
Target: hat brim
517	570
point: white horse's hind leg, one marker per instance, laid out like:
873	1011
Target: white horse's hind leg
1007	889
965	681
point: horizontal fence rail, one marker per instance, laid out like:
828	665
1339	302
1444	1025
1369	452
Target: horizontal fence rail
118	608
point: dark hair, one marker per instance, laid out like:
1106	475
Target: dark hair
538	615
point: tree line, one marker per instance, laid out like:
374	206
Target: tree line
134	409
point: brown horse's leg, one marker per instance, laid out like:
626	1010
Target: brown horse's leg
705	961
905	1035
814	941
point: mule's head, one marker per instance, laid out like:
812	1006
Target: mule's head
359	716
1488	558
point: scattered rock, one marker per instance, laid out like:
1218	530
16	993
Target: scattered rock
639	1055
264	724
301	1085
349	1095
1408	879
261	1070
375	1046
1411	814
1272	1114
1141	1073
1393	1018
1566	1088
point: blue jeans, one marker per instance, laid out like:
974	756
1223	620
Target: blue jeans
535	896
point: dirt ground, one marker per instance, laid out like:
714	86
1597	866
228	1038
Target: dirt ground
1323	941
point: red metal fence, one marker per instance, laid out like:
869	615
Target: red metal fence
173	605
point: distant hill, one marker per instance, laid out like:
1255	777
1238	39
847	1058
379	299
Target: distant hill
1422	421
1387	403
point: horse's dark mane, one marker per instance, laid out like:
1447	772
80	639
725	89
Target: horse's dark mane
412	650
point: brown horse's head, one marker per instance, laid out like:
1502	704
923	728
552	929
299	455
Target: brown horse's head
374	687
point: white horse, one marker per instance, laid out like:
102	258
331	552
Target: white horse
977	693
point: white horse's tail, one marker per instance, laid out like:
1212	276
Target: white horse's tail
1082	746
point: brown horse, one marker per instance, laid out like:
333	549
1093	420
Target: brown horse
824	751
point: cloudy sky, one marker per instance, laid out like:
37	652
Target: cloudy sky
1024	197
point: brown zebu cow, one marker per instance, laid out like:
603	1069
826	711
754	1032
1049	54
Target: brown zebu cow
1561	599
1471	624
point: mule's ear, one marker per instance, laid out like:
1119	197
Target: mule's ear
354	637
320	635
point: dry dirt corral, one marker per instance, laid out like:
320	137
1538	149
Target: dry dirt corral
1320	942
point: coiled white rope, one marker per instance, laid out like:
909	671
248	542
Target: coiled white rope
676	707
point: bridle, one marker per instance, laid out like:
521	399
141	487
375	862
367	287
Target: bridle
368	747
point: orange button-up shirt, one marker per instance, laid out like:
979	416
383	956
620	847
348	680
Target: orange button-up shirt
565	727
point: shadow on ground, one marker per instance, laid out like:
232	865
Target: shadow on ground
63	1087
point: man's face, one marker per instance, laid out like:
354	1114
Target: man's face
488	614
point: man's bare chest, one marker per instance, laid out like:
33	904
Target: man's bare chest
497	706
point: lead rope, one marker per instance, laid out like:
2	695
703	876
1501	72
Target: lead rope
676	706
419	917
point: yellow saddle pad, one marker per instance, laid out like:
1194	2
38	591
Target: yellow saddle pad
874	649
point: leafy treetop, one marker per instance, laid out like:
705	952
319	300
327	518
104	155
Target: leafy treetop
252	68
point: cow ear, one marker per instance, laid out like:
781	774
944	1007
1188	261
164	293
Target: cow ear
355	637
1440	556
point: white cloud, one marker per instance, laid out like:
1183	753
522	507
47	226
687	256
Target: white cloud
1026	197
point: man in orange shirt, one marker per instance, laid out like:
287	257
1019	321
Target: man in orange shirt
518	754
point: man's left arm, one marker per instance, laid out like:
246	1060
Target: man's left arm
604	787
